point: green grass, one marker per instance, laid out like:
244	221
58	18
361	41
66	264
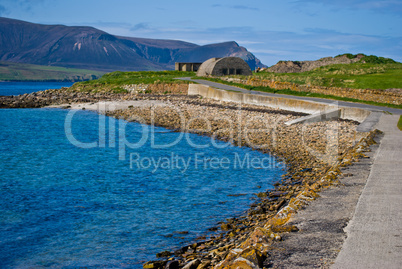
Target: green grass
28	72
113	81
298	93
357	76
377	73
400	123
368	58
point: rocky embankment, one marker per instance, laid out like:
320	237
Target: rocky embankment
54	97
313	154
303	66
80	94
389	96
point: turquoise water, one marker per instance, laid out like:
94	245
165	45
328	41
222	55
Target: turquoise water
17	88
80	197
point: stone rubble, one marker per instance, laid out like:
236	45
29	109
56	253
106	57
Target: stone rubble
243	242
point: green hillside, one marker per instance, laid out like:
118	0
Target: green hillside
113	81
28	72
371	80
374	73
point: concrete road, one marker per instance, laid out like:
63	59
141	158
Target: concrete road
319	100
374	235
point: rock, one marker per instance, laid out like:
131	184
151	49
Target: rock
277	193
164	254
241	263
258	236
302	66
154	265
204	265
253	255
256	211
192	265
226	227
173	265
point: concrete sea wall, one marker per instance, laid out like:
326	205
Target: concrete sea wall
308	107
390	96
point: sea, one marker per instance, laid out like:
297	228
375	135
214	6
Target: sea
82	190
17	88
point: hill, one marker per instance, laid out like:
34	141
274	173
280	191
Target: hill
367	79
89	48
28	72
304	66
361	72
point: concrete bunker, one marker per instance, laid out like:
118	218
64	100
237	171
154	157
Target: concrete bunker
187	66
224	67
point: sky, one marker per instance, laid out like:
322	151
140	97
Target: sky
272	30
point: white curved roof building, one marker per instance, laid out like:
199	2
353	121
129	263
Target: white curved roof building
224	66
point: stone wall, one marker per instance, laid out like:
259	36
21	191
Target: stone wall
392	96
355	114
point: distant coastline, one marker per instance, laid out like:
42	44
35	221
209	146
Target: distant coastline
19	72
49	80
8	88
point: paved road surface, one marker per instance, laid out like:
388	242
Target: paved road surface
374	235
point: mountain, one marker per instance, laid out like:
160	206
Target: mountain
89	48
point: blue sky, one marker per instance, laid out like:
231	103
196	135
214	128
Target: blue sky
272	30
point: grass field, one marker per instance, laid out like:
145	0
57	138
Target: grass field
28	72
115	80
356	76
371	72
400	123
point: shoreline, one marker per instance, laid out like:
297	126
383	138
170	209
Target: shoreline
322	224
26	81
244	240
273	225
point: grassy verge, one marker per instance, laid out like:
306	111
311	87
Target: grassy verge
28	72
297	93
400	123
357	76
116	80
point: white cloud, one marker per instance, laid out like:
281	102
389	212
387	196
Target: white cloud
249	42
269	51
272	46
241	7
140	26
268	46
